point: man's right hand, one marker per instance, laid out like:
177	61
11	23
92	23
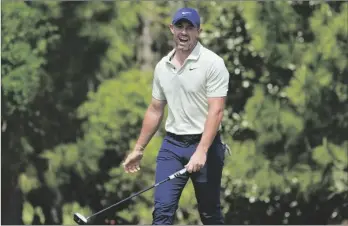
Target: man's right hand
132	162
151	122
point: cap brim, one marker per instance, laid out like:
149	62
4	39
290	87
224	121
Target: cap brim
185	19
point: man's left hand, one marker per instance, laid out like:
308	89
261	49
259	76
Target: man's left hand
197	161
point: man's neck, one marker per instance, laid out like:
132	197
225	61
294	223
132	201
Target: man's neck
180	56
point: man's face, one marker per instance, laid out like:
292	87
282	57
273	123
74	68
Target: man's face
185	35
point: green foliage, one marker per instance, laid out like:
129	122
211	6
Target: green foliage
281	118
291	100
334	159
27	36
73	207
126	106
25	44
118	31
112	118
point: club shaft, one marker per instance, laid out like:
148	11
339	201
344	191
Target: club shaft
130	197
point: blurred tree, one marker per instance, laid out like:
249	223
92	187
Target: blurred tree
291	129
44	82
27	37
100	41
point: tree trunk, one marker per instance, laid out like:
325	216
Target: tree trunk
11	199
144	54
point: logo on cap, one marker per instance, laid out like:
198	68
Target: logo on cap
184	13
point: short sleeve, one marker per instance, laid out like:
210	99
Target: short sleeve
157	91
218	79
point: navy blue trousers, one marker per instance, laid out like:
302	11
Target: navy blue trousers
173	156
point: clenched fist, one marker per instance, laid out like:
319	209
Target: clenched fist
197	161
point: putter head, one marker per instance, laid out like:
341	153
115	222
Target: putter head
79	219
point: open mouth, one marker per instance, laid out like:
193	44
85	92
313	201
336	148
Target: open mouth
183	39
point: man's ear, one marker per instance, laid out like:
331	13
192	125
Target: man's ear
171	27
200	30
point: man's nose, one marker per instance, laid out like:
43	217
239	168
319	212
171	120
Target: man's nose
184	30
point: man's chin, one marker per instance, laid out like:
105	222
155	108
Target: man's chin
183	48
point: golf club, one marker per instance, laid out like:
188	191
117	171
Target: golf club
81	220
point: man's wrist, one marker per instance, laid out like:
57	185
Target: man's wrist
139	147
203	148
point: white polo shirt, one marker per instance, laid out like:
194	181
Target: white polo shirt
187	89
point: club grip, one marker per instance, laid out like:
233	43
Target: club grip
179	173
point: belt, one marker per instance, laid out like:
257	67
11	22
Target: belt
187	138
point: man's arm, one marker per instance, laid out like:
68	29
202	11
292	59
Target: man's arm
214	118
215	114
217	87
152	120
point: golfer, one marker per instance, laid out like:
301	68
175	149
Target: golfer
193	82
